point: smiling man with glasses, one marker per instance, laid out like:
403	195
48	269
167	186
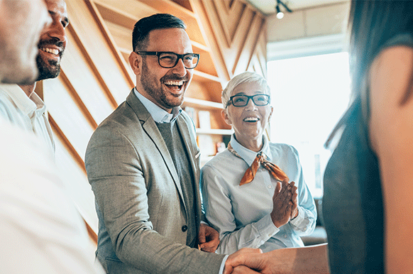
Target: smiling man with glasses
143	165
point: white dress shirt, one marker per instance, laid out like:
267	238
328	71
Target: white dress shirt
158	114
40	228
28	113
241	214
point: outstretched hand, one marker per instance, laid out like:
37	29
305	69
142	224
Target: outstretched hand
239	258
301	260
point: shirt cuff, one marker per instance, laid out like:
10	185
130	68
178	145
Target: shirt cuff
221	269
299	219
266	228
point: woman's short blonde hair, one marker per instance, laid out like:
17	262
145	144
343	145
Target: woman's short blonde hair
245	77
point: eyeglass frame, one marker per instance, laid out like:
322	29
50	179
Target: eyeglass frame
231	102
180	56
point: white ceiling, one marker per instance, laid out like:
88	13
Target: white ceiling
268	6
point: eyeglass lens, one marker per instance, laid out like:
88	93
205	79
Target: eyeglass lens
169	60
242	100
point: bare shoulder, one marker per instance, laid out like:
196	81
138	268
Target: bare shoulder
392	68
390	79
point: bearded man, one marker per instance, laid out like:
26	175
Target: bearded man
19	103
143	165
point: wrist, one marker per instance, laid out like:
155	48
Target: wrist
296	215
277	223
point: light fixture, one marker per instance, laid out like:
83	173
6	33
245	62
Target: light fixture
280	14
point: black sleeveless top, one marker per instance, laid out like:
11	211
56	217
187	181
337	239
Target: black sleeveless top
353	203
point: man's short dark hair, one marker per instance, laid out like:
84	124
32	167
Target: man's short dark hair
153	22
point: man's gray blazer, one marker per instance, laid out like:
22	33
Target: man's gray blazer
139	200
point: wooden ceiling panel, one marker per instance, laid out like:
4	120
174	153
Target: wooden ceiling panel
190	18
230	16
121	35
132	8
115	15
248	49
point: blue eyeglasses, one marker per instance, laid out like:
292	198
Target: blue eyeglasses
243	100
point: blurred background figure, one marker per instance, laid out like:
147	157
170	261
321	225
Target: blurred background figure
40	228
20	104
21	22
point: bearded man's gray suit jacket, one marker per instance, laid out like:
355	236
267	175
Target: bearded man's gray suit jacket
139	200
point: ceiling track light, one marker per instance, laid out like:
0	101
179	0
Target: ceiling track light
280	14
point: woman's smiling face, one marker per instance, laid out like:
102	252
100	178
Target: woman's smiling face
248	122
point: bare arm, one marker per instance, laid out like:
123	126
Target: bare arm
391	134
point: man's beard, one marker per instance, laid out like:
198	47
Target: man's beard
149	84
47	70
50	68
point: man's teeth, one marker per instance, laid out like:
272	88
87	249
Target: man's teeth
251	119
52	51
174	83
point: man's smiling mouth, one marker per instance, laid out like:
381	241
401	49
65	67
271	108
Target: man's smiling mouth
50	50
174	85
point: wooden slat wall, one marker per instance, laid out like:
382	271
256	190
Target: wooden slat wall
96	78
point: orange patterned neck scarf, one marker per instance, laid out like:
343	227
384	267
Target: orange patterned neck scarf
249	175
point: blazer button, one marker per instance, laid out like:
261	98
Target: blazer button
184	228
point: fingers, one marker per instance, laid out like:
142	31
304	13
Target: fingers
253	260
210	246
243	270
208	238
201	234
294	193
211	233
277	189
212	240
239	258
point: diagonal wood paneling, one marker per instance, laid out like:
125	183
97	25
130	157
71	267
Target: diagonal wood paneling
229	17
95	78
235	32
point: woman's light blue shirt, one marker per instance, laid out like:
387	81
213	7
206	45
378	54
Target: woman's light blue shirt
241	214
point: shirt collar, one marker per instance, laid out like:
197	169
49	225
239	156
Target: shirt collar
248	155
158	114
27	105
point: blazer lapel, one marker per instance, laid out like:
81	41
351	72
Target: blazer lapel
149	126
184	129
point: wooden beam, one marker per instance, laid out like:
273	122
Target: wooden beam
78	100
67	143
93	36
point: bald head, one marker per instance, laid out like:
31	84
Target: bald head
21	23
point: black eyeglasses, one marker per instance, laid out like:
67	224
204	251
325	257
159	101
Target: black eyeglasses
242	100
170	59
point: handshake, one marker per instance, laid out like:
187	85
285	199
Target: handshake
301	260
305	260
